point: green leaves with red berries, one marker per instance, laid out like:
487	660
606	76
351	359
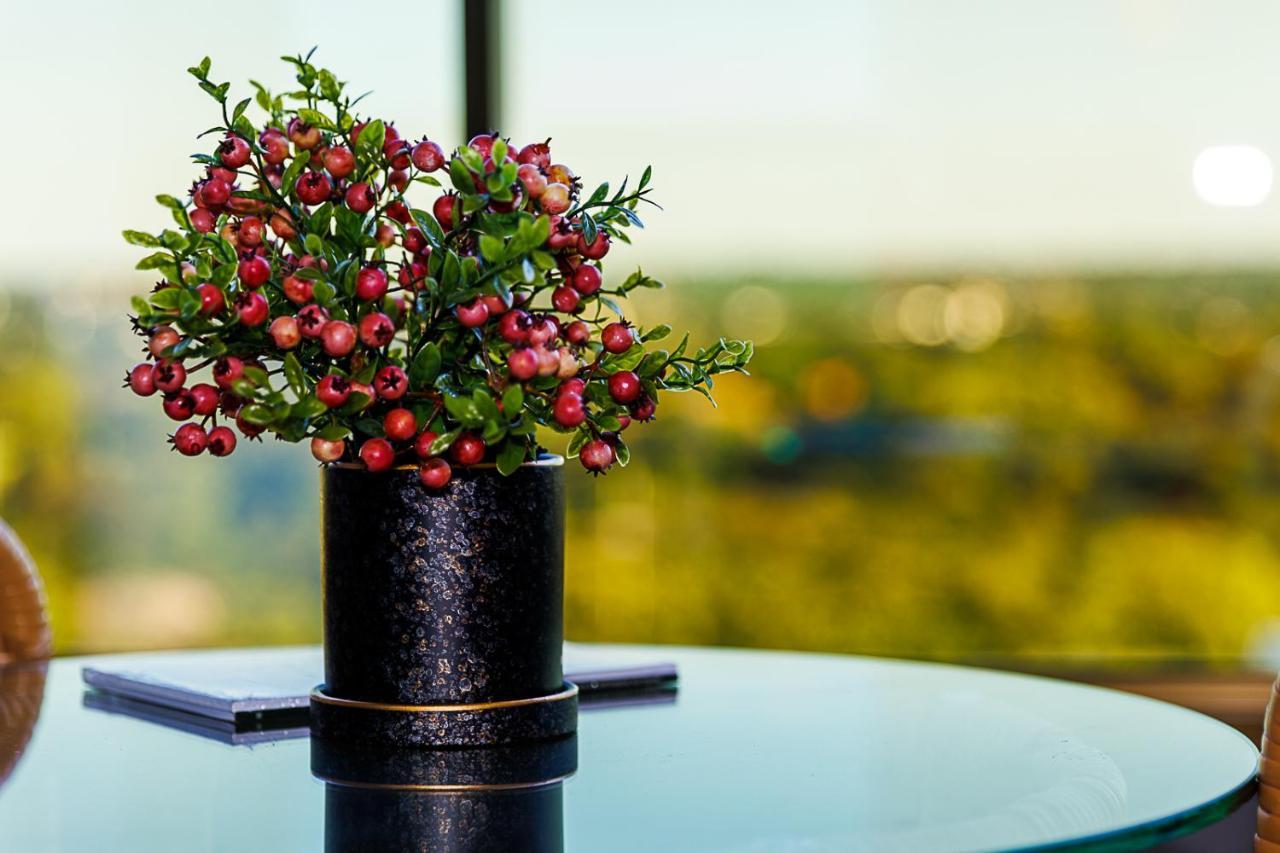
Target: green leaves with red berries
333	303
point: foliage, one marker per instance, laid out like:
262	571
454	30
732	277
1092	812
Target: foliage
505	242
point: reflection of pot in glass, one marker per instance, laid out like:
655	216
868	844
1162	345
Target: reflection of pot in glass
25	645
472	799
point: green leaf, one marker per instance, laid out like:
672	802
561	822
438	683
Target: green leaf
510	457
581	437
293	374
623	361
443	440
372	136
240	108
290	176
169	202
425	367
485	405
622	452
315	118
512	400
141	238
315	246
256	414
657	333
308	407
460	176
333	432
491	248
463	410
257	376
155	261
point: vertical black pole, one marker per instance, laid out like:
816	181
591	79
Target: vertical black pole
481	65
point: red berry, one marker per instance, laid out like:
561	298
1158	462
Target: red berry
202	220
190	440
422	445
577	333
497	307
562	235
254	271
211	299
250	232
548	361
303	135
427	156
569	411
596	249
376	330
385	235
367	393
483	142
179	405
435	473
377	454
339	162
569	365
535	153
233	152
399	424
327	451
227	370
297	290
252	308
361	198
543	330
474	313
221	441
624	386
555	198
275	148
333	390
565	299
397	152
282	224
213	193
468	449
311	321
571	386
162	339
532	179
285	332
338	338
169	375
313	188
644	409
617	337
522	364
141	379
248	430
586	279
444	210
391	382
413	240
206	398
398	180
514	326
371	284
596	455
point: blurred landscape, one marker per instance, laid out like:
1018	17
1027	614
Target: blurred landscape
937	467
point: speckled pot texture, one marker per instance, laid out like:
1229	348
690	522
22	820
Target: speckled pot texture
440	599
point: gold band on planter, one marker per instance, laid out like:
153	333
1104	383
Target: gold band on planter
446	788
570	691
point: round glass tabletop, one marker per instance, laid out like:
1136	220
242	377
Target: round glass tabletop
756	751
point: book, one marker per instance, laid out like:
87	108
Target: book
248	686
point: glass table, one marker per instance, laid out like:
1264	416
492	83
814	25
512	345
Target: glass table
757	751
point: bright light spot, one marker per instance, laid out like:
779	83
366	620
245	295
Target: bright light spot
920	315
974	314
1232	176
756	313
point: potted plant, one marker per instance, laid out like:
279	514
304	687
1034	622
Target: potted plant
423	347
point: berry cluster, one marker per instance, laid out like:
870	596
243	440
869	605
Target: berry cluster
328	307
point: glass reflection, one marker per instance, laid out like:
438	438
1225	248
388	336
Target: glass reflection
473	800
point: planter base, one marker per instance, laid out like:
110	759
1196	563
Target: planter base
480	724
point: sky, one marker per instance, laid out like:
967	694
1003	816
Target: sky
800	137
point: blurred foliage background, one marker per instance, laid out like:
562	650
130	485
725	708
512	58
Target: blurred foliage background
964	438
945	467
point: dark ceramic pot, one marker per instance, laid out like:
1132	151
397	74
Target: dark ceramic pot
443	610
